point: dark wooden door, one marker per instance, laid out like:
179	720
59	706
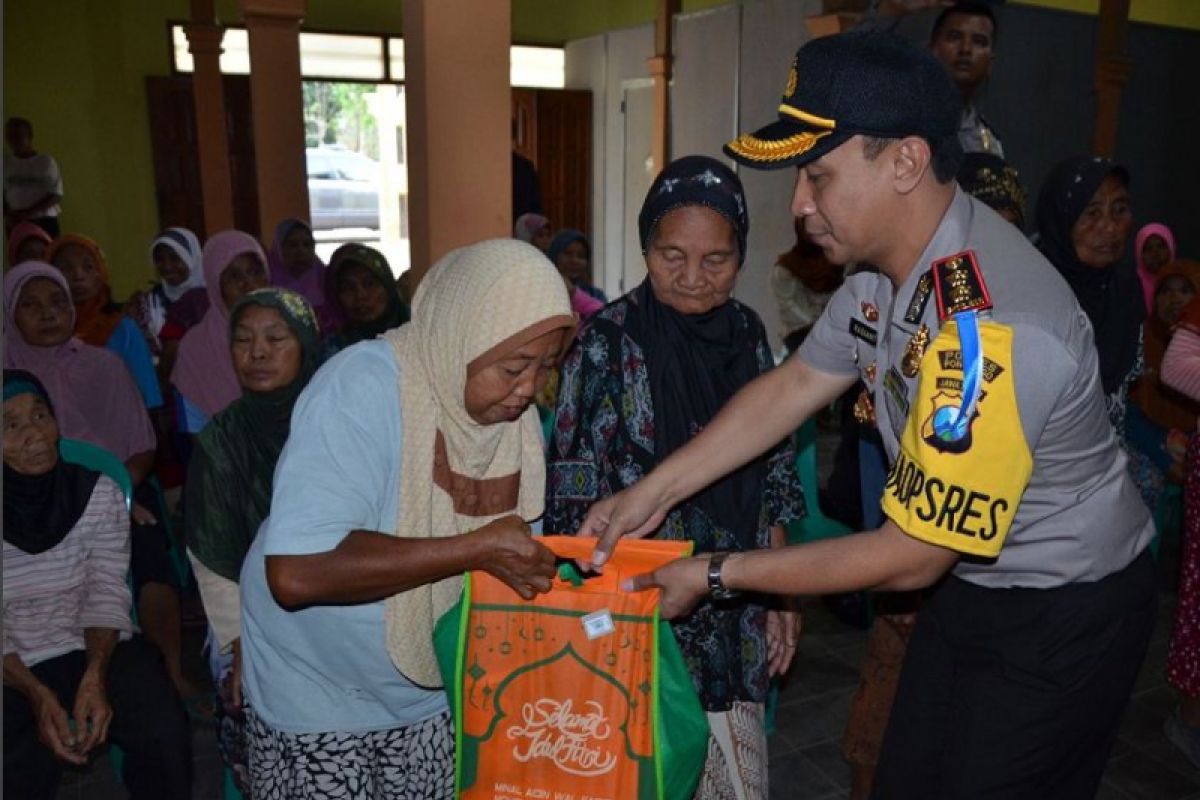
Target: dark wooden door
177	165
564	156
173	146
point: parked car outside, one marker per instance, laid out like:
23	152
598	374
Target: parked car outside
343	189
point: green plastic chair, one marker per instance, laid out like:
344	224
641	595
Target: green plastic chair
815	525
94	457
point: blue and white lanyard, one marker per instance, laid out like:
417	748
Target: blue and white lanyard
972	364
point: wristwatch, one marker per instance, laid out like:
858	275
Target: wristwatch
716	587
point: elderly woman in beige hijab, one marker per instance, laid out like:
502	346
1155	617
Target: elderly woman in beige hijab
412	458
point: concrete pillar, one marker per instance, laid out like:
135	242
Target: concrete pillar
459	106
277	109
212	142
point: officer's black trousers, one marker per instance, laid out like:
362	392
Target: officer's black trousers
1016	693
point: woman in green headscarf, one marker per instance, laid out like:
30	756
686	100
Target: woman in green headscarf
275	347
363	290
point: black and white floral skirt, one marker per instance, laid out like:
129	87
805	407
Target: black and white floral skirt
415	761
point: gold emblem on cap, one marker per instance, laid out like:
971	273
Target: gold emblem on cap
792	80
910	364
864	409
752	148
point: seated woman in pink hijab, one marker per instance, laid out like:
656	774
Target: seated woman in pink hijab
234	266
1153	249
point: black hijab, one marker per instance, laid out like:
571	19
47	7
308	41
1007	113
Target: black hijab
696	362
397	311
1110	297
40	510
237	451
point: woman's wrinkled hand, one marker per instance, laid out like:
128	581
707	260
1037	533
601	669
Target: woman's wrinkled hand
92	713
516	557
54	728
142	515
783	634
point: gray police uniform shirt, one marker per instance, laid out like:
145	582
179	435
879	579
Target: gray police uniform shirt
976	136
1037	494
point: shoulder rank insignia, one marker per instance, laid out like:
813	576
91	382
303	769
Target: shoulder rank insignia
958	285
920	298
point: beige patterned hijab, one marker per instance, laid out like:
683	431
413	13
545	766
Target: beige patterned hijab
474	307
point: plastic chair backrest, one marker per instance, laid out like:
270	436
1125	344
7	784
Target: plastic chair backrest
86	454
815	525
806	464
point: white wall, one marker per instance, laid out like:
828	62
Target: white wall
730	66
586	65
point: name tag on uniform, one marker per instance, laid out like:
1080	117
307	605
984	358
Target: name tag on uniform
861	330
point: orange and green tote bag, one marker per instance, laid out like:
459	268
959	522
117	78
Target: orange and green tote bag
579	694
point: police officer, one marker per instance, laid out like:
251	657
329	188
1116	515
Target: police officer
1006	485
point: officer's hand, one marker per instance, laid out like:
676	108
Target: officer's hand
683	583
637	511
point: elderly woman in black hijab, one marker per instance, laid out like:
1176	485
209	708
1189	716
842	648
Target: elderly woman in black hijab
646	374
360	285
75	676
1084	219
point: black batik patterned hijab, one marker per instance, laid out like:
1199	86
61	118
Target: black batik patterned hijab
697	362
696	181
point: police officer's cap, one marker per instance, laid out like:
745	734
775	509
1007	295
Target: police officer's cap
871	83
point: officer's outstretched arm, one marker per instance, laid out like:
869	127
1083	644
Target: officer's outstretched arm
886	559
763	413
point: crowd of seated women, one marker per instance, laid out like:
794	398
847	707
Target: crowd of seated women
121	405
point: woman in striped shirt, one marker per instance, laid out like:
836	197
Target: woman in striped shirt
72	674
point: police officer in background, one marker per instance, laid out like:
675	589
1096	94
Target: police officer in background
1006	485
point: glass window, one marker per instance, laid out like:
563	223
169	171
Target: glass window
360	58
357	168
235	60
539	67
396	58
319	167
328	55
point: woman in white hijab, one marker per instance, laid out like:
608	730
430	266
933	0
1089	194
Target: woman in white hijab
177	300
412	459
